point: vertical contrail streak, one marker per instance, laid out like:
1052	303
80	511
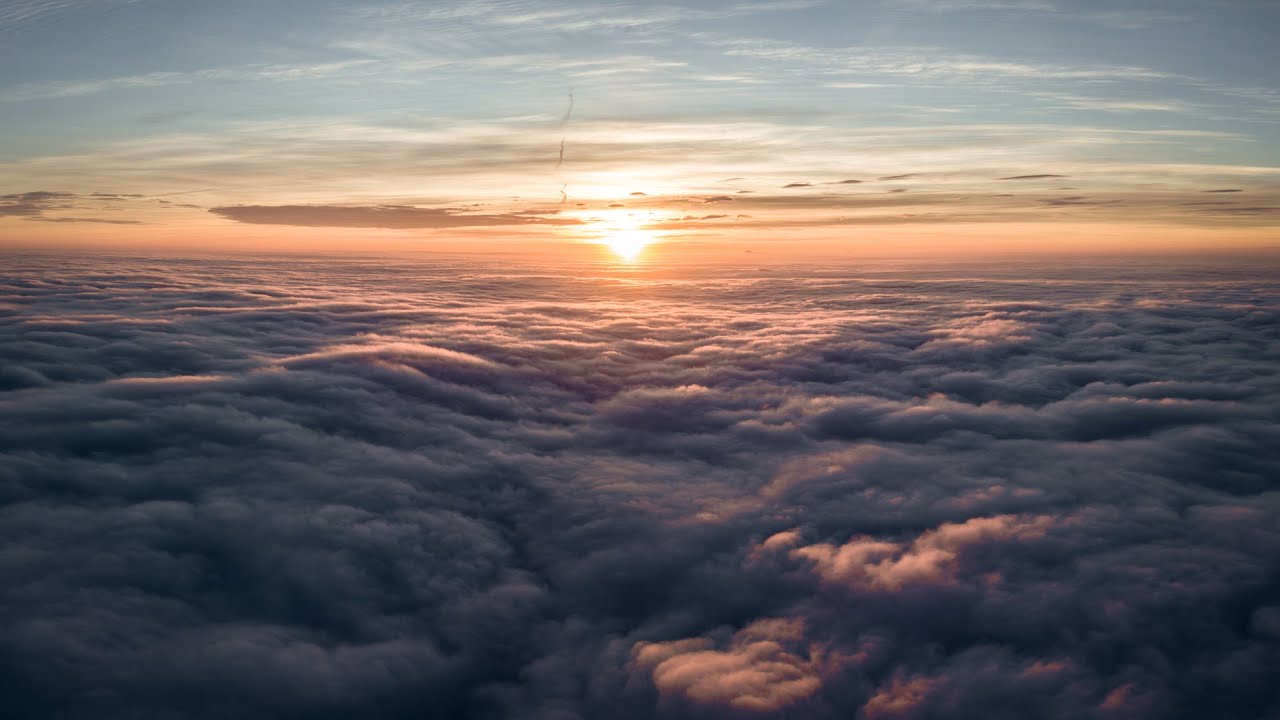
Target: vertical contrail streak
564	196
567	113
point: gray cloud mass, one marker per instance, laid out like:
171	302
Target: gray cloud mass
331	487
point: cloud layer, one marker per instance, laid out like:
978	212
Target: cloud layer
343	487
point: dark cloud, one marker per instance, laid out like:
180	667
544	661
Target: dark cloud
36	206
797	185
1227	190
1033	177
37	196
33	204
682	222
320	487
1078	200
939	205
377	216
899	177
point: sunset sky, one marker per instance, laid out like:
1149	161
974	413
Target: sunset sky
872	127
697	360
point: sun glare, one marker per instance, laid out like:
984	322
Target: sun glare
627	244
624	234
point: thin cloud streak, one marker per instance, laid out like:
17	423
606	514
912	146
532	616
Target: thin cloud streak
379	216
55	90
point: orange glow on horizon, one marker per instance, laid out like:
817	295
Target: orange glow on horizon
638	238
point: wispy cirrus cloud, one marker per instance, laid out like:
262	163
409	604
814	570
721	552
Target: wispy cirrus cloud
922	62
573	17
16	13
65	89
1111	17
1083	102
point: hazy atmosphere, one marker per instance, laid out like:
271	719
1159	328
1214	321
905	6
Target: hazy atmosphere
884	360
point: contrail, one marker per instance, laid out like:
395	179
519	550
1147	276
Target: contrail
564	196
567	113
564	121
185	192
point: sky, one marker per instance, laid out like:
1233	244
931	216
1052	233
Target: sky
701	360
786	126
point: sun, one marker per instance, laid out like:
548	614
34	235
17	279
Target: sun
627	244
623	233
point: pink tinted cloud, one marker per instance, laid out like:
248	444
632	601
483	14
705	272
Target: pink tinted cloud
764	669
931	559
899	698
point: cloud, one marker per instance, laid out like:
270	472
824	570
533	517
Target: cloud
378	216
901	699
1254	210
473	159
320	486
496	17
1124	18
18	13
756	673
1033	177
88	220
160	79
35	205
930	559
32	204
917	63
